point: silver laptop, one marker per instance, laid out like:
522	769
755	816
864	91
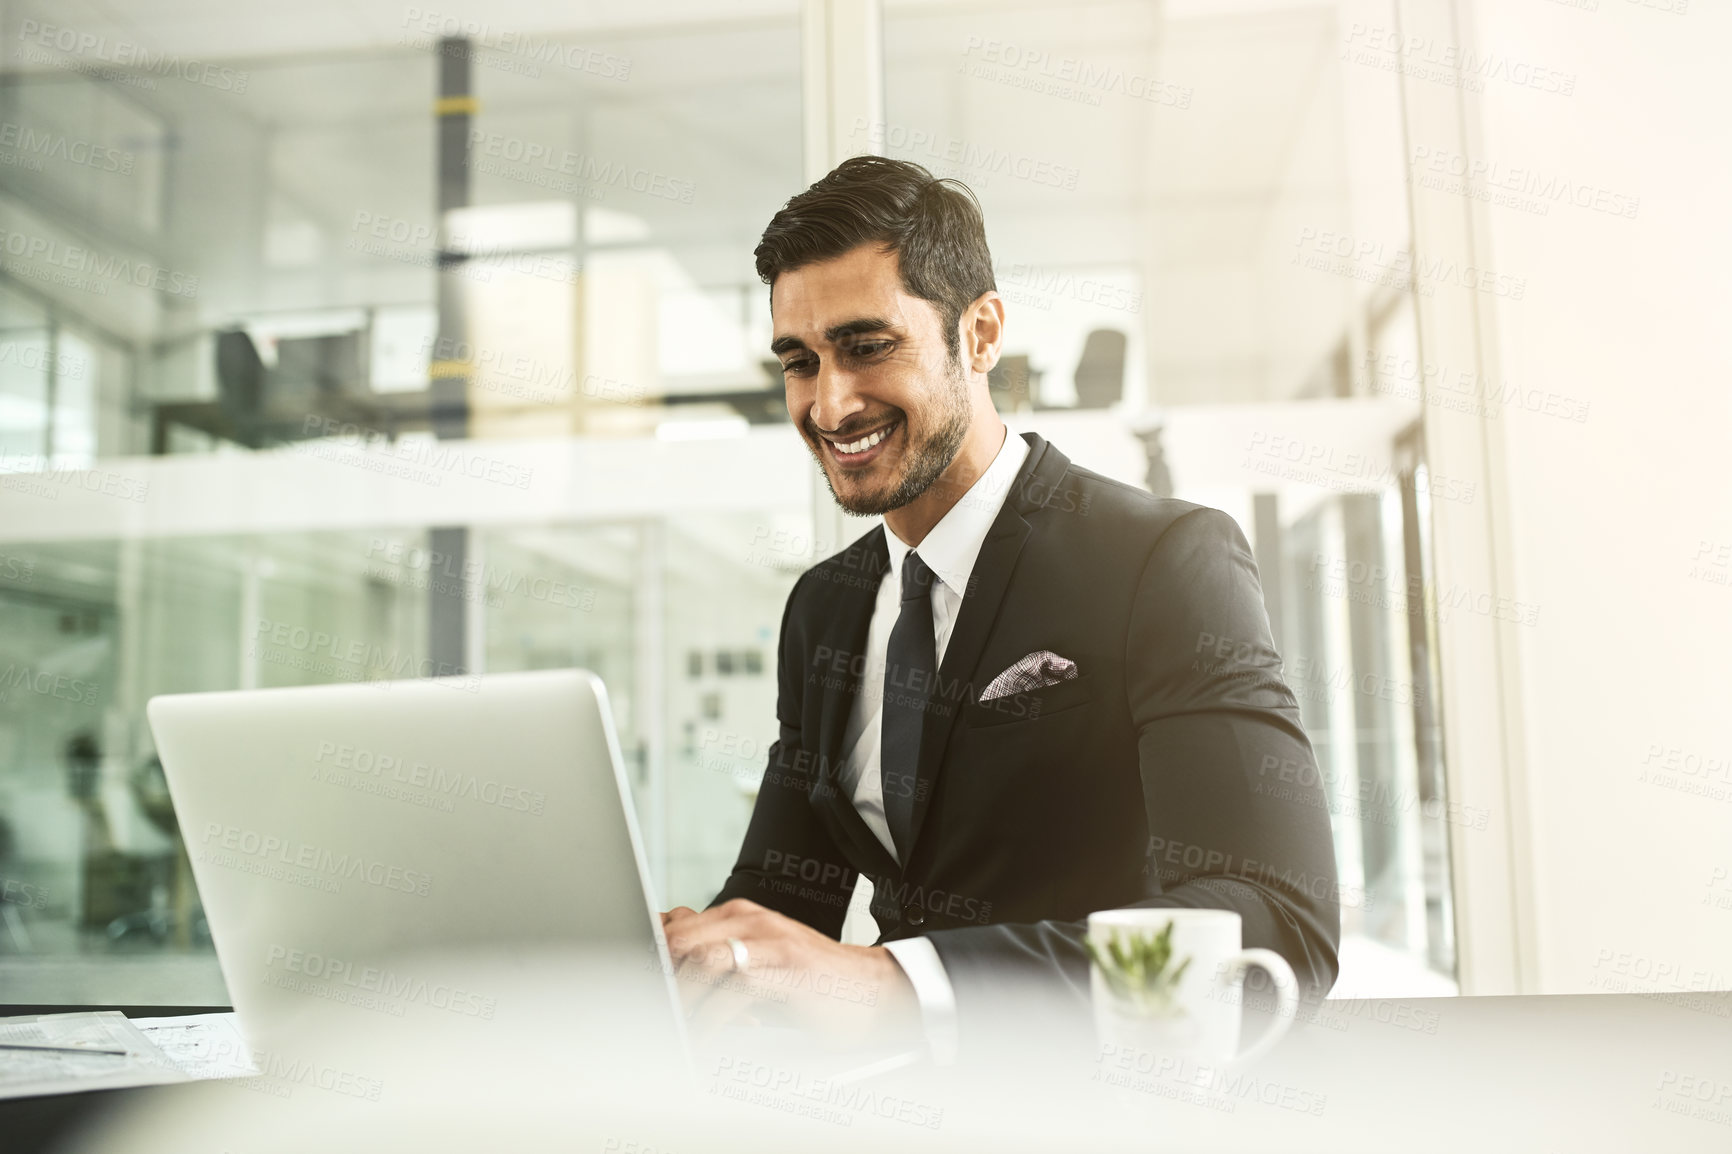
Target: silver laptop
349	841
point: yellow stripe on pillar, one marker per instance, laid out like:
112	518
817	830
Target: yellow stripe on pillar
456	106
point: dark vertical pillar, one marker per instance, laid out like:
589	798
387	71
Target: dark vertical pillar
448	388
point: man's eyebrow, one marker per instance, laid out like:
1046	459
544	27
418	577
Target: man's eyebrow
854	328
834	334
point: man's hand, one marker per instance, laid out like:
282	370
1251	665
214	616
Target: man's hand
849	994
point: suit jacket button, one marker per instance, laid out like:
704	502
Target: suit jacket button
913	914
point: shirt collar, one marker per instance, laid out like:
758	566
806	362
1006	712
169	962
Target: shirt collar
952	546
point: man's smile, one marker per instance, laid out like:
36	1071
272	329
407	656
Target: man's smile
861	449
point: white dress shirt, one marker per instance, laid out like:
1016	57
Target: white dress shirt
949	550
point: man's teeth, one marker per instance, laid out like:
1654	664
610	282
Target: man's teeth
863	443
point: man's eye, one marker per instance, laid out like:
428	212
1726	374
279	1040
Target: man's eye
867	348
796	368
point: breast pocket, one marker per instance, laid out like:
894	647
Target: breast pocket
1033	704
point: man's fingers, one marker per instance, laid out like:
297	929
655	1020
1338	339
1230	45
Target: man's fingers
712	957
715	994
706	958
700	932
697	942
733	910
677	913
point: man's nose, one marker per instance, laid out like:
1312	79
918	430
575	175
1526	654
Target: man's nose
836	398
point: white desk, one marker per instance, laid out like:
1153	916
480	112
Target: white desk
1610	1072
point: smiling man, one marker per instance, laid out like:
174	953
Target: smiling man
1032	694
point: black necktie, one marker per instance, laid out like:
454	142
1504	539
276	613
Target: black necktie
910	664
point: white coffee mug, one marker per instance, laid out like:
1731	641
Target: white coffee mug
1197	1016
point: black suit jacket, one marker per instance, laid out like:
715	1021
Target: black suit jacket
1172	771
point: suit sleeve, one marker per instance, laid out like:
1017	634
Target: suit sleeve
788	861
1236	812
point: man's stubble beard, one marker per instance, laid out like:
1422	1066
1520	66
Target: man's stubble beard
923	463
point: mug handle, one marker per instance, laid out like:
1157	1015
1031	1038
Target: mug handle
1286	994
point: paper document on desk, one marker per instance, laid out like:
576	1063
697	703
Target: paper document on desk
202	1045
25	1073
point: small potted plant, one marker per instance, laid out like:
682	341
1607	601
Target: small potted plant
1138	970
1137	1000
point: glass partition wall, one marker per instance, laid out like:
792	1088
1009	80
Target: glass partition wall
598	261
1165	188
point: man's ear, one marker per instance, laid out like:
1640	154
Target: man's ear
982	325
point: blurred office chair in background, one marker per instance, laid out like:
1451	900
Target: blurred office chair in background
1100	372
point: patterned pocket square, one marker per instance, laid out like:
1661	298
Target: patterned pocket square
1036	671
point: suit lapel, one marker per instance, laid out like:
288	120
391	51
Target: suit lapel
990	578
844	630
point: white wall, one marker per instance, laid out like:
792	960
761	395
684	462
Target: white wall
1608	515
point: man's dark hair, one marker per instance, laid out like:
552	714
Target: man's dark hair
934	226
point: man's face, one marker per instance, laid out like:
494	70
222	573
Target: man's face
871	384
